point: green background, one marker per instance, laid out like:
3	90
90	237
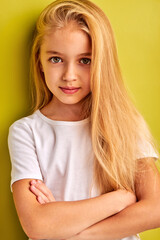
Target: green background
137	31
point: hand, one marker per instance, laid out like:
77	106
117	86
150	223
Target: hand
42	193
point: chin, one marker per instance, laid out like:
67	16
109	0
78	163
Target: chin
71	102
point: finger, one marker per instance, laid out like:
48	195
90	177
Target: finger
43	188
38	193
40	200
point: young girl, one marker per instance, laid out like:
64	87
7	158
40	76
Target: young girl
83	162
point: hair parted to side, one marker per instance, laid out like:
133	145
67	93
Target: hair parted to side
117	128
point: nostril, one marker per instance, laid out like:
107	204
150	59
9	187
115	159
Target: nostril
69	78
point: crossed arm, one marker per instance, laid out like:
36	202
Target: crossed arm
98	218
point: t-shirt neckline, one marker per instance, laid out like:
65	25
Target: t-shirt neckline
57	122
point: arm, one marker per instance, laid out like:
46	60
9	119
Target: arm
141	216
57	220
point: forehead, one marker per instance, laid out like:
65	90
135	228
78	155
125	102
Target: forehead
69	39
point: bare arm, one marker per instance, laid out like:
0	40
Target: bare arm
57	220
141	216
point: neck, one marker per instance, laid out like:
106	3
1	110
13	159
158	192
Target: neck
57	110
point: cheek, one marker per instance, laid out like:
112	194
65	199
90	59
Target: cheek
51	75
85	73
88	79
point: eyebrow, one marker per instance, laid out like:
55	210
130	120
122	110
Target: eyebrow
58	53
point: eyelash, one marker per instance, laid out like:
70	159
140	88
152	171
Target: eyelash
50	59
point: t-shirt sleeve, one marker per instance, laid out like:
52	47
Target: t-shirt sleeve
23	155
145	150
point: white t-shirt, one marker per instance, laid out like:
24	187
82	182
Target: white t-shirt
57	152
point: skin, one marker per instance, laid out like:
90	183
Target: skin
140	216
56	220
64	219
109	216
70	67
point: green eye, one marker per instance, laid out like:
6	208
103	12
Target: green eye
86	61
55	59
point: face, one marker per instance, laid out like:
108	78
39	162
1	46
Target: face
65	57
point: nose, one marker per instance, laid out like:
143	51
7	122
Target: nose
70	72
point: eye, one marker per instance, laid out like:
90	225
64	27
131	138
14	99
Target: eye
85	61
55	59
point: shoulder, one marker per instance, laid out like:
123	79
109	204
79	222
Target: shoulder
31	128
23	127
29	122
146	149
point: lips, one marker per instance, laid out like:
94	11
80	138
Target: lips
69	90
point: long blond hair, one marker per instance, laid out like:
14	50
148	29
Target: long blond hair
117	128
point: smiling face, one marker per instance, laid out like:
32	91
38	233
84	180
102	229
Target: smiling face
65	57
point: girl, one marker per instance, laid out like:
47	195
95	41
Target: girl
85	152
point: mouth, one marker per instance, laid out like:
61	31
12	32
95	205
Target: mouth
69	90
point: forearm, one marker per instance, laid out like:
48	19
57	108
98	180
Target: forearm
136	218
141	216
59	220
